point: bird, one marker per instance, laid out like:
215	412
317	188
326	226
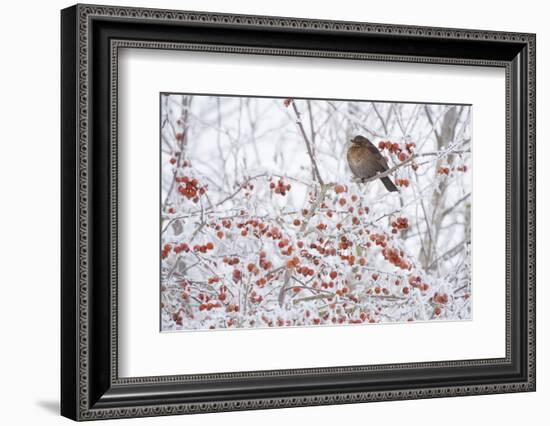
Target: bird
365	161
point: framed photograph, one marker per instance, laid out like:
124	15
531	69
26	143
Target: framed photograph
263	212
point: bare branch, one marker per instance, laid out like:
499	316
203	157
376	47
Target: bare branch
307	142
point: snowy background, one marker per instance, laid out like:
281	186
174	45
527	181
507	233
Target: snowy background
252	236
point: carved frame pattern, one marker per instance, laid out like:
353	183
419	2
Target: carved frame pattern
85	409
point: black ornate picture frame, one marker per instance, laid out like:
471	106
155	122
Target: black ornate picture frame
90	39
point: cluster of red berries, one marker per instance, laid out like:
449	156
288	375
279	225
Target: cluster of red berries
378	290
306	254
416	282
402	156
339	320
176	316
213	280
399	224
283	243
174	160
280	188
395	257
253	269
305	271
181	247
267	321
265	264
190	188
289	248
274	233
344	243
203	297
203	248
378	239
166	250
328	251
340	188
402	182
252	222
261	282
281	322
326	285
321	226
444	170
395	148
293	263
232	308
350	259
389	145
255	298
209	306
342	291
231	261
253	226
440	298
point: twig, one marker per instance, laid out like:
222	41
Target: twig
450	209
387	172
398	119
308	144
445	152
356	121
380	118
449	253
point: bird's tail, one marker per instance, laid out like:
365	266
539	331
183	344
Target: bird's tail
388	184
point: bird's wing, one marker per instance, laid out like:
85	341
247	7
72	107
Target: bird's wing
378	156
372	149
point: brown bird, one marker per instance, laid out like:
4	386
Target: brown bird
365	161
